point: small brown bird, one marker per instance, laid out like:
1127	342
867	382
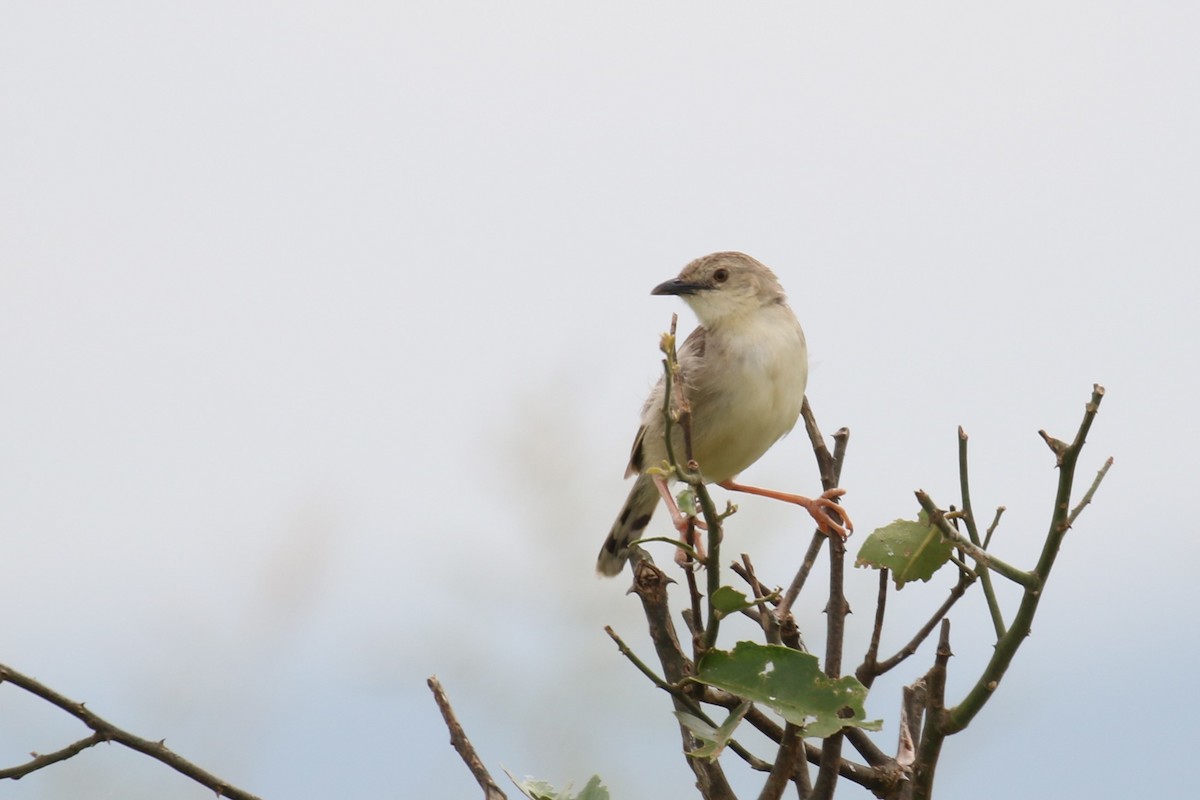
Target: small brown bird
744	371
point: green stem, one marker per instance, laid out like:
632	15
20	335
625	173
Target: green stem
985	577
712	568
1006	648
984	558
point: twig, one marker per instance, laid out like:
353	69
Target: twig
957	591
987	537
836	609
466	751
107	732
793	590
935	730
863	775
867	748
764	617
1006	648
866	671
642	667
670	369
680	696
650	585
985	577
705	632
985	559
692	616
786	761
1087	496
830	467
712	570
45	760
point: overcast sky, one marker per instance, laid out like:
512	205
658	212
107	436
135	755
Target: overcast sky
324	330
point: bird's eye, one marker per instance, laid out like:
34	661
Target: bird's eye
721	275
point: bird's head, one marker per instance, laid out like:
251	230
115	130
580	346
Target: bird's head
723	286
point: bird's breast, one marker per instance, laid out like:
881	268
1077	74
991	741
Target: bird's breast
748	393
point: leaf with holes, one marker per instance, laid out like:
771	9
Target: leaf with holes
791	683
912	550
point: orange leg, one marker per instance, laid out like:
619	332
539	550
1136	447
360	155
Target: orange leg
818	507
682	524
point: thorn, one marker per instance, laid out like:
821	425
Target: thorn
1058	447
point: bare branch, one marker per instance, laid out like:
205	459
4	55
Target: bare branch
830	466
956	592
786	761
1006	648
466	751
639	664
764	616
1087	496
985	577
793	590
934	733
866	671
987	537
986	559
836	607
39	761
867	748
650	585
106	731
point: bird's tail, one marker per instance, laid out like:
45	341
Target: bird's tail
633	519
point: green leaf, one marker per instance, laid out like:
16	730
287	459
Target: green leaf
727	600
912	550
714	739
541	790
536	790
595	790
686	500
791	683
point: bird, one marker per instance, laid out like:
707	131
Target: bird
744	371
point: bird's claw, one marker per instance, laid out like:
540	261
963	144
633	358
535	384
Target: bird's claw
688	537
820	507
683	524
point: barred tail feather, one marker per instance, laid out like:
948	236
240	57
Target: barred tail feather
633	519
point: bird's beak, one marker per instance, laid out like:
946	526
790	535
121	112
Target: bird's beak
677	287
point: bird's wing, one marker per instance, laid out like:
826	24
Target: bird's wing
693	345
691	353
637	454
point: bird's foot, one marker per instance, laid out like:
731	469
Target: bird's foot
691	539
819	508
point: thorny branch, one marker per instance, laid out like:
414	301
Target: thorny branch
458	738
105	731
925	717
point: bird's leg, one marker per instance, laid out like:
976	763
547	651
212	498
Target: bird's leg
818	507
682	524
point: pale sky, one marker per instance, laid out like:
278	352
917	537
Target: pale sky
324	330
